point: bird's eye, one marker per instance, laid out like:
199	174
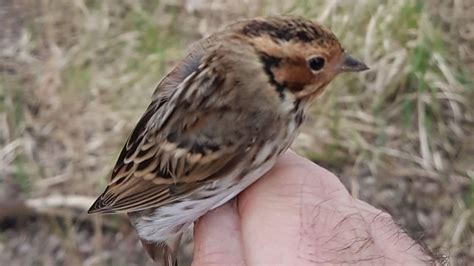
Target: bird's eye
316	63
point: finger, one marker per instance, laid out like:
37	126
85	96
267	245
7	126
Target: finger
217	237
286	210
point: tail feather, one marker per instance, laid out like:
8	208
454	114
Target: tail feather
160	253
164	253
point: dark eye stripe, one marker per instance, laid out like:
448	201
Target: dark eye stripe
268	63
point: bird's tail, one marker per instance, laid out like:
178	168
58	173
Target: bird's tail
164	253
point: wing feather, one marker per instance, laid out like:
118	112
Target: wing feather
158	165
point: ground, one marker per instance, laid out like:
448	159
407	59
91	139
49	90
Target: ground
76	75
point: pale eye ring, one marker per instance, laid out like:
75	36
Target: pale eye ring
316	63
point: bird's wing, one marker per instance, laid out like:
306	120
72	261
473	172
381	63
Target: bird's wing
184	139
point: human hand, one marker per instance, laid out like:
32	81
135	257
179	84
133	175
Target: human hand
300	214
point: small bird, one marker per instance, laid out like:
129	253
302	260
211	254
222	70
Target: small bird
219	121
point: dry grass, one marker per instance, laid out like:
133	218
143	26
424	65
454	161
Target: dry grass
76	75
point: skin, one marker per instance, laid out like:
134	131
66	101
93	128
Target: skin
301	214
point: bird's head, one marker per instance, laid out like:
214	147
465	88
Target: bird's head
298	54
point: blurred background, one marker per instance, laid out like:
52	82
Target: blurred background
76	75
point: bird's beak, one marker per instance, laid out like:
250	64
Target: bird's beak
349	64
